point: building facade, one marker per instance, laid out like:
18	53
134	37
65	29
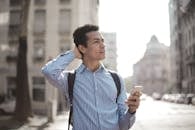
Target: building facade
110	61
153	70
50	27
182	28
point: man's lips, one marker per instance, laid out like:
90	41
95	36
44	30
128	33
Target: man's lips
102	51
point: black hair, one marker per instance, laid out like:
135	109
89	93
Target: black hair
79	34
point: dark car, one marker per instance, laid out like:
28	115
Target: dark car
188	99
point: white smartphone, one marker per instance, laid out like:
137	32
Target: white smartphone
137	89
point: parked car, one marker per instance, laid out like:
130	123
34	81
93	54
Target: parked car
188	99
143	96
180	98
193	100
2	98
172	98
175	97
156	96
165	97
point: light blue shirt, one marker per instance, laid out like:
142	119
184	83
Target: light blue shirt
94	96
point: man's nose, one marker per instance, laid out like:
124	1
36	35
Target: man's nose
102	44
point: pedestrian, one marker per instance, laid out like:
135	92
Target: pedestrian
95	94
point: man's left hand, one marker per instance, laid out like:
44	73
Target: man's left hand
133	101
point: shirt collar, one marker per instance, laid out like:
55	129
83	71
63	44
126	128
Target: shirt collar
82	68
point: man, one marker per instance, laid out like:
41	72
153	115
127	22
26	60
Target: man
94	96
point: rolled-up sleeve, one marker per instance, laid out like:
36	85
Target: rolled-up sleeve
54	70
126	119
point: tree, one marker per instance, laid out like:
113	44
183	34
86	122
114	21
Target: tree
23	108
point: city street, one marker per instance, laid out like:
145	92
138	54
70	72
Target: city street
147	43
154	115
159	115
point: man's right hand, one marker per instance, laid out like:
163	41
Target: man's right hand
77	53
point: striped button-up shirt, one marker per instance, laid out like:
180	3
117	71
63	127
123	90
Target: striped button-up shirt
94	96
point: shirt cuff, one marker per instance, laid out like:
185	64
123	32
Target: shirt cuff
131	112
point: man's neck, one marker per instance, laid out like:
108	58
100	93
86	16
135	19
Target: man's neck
93	66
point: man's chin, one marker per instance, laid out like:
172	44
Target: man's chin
102	58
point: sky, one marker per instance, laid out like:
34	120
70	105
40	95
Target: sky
134	21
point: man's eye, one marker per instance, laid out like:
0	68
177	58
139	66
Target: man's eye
97	41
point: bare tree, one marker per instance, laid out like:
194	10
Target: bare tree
23	108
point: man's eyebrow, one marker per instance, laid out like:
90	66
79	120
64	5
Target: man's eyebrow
95	39
98	39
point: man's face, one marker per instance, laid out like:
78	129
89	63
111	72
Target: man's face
95	49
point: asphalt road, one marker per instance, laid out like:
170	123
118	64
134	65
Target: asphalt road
159	115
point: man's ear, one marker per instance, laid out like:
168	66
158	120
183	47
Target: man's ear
82	48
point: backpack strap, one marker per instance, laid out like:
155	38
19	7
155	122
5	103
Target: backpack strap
71	78
116	81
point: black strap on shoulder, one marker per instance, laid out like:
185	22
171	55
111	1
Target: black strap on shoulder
117	82
71	78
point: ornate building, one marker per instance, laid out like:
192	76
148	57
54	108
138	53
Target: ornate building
50	27
152	71
182	28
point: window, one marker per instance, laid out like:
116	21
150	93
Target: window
13	42
98	2
11	58
14	30
64	46
12	51
15	17
39	51
193	70
38	95
64	1
40	2
11	87
15	2
38	89
64	22
12	55
193	32
14	21
40	22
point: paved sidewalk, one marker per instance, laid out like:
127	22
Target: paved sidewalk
61	123
35	123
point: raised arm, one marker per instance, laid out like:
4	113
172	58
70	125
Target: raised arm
55	71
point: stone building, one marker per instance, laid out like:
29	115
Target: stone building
50	27
152	71
182	33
